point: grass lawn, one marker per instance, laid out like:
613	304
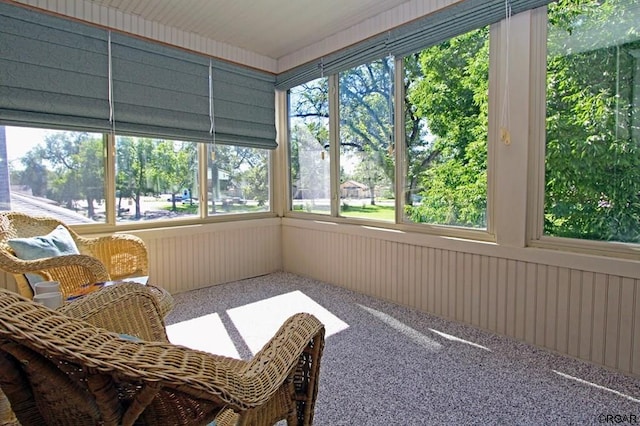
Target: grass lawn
367	211
362	211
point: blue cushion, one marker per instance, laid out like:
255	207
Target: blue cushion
56	243
129	337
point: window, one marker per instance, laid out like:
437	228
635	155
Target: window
53	173
152	108
367	161
237	180
446	123
309	147
155	179
445	112
592	168
62	174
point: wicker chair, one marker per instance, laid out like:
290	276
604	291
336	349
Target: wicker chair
111	257
58	369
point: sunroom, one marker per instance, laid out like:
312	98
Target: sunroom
475	160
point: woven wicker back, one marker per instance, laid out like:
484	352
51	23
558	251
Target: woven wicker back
58	370
45	388
20	225
55	369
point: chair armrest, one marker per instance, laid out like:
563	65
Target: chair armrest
71	270
299	344
124	255
126	308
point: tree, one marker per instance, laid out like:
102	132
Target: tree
592	153
134	169
34	174
246	170
368	172
449	93
366	118
77	162
175	164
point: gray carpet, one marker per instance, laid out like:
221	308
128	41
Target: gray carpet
397	366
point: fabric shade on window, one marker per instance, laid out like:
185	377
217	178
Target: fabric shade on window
53	72
244	106
164	92
439	26
159	91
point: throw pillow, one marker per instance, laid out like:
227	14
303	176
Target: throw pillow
56	243
129	337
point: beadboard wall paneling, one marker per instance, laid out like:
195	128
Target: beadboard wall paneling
584	314
192	257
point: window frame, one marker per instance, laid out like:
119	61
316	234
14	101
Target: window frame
112	225
399	224
536	178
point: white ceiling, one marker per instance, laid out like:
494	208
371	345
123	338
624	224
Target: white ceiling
273	28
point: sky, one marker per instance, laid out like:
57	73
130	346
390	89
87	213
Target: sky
21	140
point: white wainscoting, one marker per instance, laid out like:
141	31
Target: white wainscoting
524	293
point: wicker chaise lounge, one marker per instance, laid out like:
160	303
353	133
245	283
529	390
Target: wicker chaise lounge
58	369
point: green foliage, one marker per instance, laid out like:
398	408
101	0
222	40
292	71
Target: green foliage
34	174
592	152
69	167
450	96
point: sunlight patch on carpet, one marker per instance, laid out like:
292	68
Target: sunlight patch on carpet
257	322
411	333
459	340
206	333
585	382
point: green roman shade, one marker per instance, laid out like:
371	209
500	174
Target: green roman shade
159	91
412	37
53	72
58	73
244	106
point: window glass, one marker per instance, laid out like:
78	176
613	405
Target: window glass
446	123
592	178
309	147
53	173
367	166
155	179
237	180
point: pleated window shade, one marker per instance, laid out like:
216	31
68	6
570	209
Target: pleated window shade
55	74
